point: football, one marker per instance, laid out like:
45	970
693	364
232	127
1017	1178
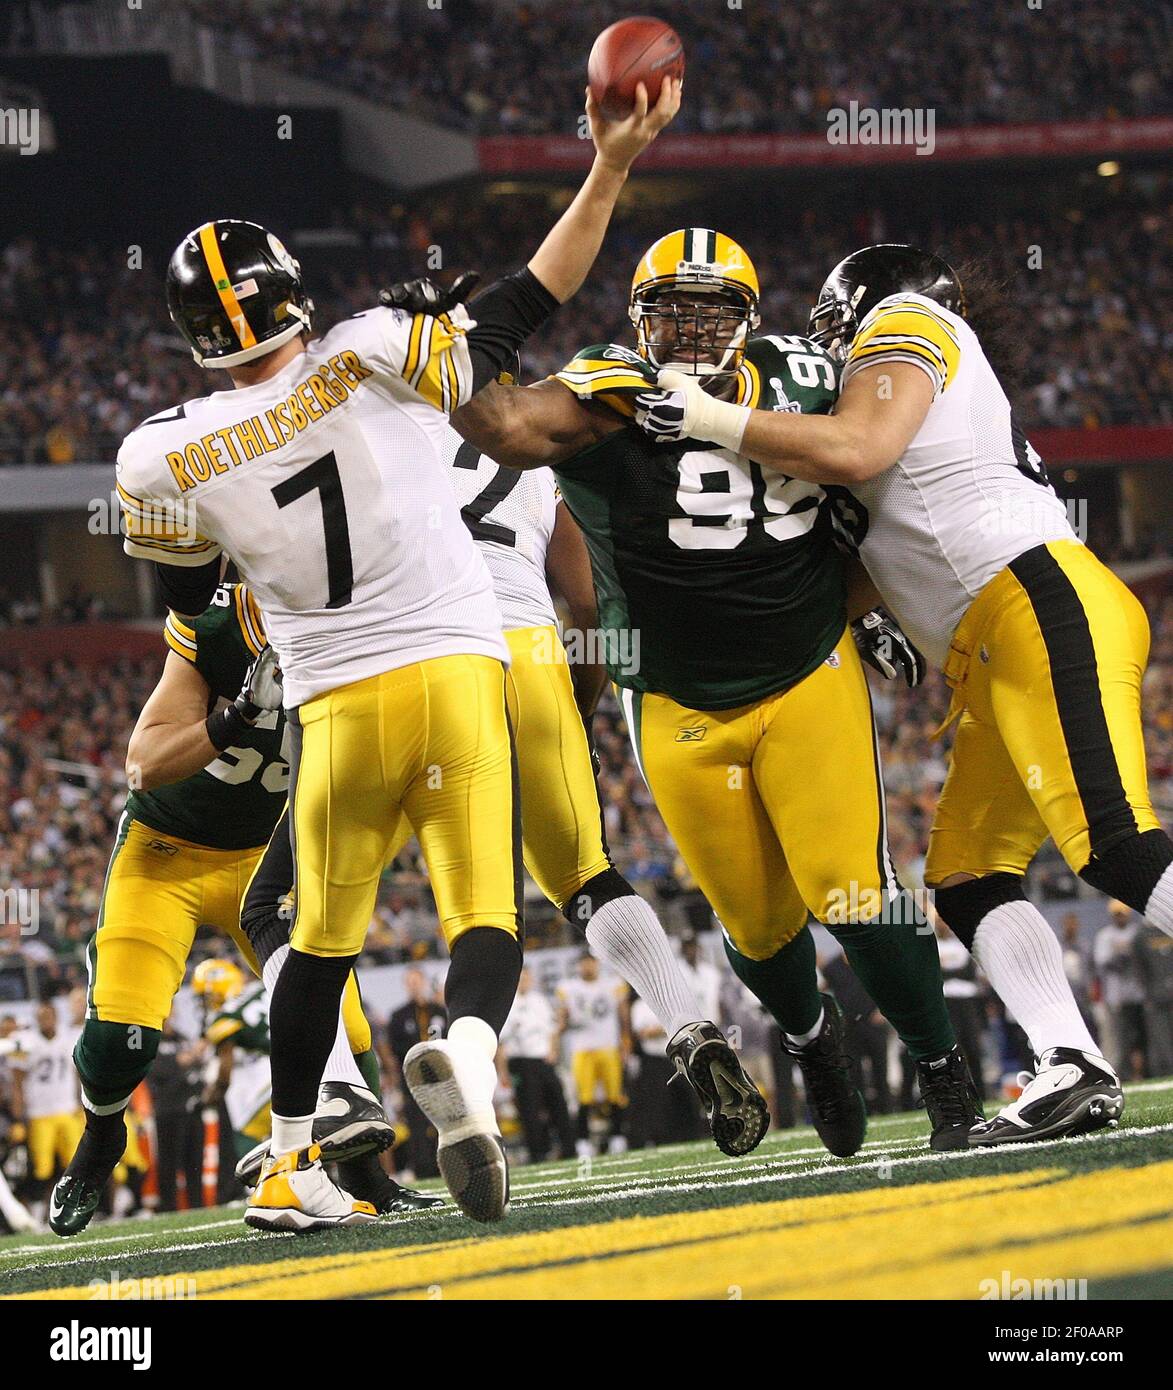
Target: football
630	52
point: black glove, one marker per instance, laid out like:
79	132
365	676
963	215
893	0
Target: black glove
261	691
424	296
882	644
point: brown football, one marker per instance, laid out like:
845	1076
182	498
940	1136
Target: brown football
630	52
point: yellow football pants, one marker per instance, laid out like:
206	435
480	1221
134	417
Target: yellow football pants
52	1140
598	1069
1046	668
159	890
777	807
561	820
430	742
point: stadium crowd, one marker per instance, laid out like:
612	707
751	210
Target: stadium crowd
86	350
520	68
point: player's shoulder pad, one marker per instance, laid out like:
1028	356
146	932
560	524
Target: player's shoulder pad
232	614
911	328
609	373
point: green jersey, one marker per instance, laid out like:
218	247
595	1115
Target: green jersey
244	1020
718	582
235	802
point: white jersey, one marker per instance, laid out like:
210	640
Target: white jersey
325	486
529	1029
50	1080
969	495
510	514
592	1010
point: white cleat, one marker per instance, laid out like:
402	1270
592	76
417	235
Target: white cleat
454	1087
348	1121
1071	1092
294	1194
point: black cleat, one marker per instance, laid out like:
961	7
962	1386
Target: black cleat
951	1099
73	1202
78	1191
737	1114
349	1121
364	1178
837	1108
1072	1092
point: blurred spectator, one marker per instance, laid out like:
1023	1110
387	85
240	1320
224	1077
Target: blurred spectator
593	1017
1154	958
661	1113
963	999
175	1083
421	1018
703	977
1122	986
529	1055
1077	967
865	1031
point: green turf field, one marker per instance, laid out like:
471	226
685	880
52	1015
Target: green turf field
685	1222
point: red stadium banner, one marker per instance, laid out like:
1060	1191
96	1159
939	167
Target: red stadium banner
518	154
1112	444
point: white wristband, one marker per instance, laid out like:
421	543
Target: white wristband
722	422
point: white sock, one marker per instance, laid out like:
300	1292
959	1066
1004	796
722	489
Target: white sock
13	1211
291	1132
1159	908
474	1033
626	935
1021	957
802	1039
272	968
340	1065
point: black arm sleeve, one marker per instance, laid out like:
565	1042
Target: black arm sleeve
506	314
187	589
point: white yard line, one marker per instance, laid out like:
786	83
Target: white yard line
60	1247
244	1239
625	1193
707	1167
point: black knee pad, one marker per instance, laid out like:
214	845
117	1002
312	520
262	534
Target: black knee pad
963	906
112	1058
595	893
267	926
1131	869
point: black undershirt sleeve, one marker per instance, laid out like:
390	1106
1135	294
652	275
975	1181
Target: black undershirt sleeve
187	589
506	314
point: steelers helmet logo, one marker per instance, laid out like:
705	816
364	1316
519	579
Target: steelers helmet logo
284	259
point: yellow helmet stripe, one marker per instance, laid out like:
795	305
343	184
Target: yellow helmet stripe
219	272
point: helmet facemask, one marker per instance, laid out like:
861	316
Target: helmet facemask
834	323
697	329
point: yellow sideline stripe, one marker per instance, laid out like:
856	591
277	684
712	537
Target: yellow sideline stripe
928	1240
409	1266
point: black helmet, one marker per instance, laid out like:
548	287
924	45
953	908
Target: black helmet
235	293
858	283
